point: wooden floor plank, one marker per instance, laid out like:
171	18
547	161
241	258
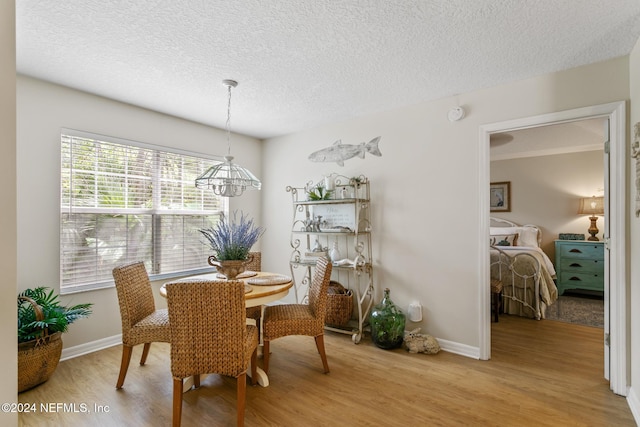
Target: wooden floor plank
542	373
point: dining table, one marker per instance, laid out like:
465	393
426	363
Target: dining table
261	288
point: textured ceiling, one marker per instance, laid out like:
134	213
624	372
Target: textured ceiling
301	64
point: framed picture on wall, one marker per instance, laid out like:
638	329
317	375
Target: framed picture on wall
500	196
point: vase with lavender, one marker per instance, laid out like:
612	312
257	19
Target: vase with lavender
231	241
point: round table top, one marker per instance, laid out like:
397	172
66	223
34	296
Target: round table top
259	294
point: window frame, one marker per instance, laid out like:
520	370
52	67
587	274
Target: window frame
156	212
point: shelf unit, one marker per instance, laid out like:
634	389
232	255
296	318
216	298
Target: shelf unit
342	221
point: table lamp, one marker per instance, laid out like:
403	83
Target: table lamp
592	206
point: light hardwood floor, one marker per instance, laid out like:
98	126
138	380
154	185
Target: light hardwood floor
543	373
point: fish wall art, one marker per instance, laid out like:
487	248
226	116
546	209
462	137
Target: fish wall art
339	152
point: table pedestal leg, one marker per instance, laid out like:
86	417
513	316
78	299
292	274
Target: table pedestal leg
187	383
262	379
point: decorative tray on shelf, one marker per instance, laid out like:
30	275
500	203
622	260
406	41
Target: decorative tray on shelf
571	236
337	229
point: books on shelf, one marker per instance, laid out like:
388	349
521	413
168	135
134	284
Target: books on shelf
312	256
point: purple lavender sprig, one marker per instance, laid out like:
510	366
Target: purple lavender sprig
232	240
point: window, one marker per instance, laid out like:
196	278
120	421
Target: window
121	202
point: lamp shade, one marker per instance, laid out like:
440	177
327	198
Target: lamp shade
591	206
228	179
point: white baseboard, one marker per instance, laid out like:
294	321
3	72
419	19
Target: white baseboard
461	349
634	404
90	347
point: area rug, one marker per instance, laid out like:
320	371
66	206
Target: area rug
582	310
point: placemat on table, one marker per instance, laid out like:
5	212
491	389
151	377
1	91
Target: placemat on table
271	279
243	275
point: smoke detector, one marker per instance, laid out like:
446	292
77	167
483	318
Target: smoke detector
455	114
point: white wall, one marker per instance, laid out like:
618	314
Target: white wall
43	109
424	205
634	241
546	191
8	236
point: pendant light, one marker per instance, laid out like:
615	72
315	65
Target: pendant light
228	179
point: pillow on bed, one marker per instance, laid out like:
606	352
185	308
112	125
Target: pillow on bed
495	231
527	236
504	240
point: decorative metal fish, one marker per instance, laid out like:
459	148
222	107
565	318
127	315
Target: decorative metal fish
340	152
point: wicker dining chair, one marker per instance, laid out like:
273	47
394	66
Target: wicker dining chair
141	322
300	319
209	334
255	312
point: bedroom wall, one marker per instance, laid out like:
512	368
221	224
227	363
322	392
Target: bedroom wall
42	110
545	191
425	206
8	235
634	241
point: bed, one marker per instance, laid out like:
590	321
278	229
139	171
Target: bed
525	271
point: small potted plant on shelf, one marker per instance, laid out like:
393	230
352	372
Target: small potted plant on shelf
231	240
356	180
41	322
319	192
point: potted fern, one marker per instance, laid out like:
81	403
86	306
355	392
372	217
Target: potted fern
41	323
231	241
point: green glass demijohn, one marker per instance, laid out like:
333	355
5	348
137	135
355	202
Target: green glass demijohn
387	324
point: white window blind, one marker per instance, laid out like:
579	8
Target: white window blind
122	202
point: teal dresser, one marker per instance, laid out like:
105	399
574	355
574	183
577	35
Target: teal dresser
579	265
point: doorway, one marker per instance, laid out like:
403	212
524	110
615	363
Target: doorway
616	351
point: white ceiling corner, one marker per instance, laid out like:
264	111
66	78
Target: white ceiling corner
303	64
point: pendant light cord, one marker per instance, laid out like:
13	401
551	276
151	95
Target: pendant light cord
228	125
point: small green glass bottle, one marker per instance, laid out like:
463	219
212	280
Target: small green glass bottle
387	324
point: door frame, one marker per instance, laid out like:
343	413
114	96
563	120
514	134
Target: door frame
616	112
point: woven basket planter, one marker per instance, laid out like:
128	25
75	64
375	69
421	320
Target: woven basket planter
37	360
339	305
